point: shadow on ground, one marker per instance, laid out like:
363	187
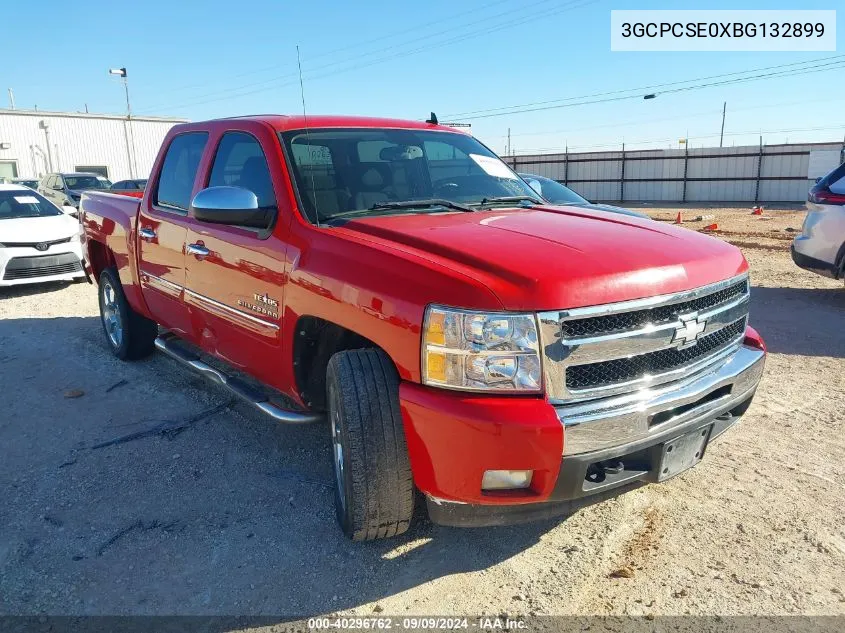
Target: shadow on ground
801	321
28	290
151	492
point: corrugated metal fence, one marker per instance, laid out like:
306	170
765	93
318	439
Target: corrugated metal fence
764	173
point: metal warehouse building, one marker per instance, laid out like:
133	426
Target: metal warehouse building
33	143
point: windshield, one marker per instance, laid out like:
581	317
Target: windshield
553	191
86	182
18	203
344	172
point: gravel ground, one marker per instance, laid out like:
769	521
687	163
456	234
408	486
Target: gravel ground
141	489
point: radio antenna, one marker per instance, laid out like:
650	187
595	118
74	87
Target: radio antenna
307	139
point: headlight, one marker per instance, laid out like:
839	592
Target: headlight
480	351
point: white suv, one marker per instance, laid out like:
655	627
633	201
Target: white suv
820	246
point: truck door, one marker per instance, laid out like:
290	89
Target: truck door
235	275
162	229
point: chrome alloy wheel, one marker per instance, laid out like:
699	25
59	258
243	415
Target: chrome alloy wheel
337	450
111	314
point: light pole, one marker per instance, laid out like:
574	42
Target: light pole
130	153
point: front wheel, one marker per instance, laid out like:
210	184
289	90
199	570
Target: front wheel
129	334
374	489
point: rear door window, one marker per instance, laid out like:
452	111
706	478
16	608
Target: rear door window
179	170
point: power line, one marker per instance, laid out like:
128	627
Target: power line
620	124
649	88
366	44
715	134
274	83
672	118
786	73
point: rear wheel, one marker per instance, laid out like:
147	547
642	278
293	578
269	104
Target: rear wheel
374	490
129	335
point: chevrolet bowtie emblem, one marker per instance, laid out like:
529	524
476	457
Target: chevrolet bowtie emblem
686	335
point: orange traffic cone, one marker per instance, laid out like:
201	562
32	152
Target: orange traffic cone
758	210
678	219
711	227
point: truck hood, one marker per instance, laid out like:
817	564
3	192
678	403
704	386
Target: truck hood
560	257
44	229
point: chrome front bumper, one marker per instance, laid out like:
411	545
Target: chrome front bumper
617	421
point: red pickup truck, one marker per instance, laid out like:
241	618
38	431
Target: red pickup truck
470	345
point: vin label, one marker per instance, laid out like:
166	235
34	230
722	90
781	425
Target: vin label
707	30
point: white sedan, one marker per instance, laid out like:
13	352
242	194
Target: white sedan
38	242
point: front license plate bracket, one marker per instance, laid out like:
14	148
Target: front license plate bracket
682	453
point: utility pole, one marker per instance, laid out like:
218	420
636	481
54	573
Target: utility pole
45	125
722	133
133	160
509	142
11	99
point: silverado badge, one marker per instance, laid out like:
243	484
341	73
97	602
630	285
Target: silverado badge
263	304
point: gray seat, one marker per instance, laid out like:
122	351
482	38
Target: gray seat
323	194
372	190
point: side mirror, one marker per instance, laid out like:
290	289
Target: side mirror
68	210
230	205
59	187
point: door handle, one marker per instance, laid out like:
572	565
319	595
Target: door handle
147	234
197	249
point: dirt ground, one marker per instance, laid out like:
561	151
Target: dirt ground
142	489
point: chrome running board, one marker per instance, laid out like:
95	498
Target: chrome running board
169	344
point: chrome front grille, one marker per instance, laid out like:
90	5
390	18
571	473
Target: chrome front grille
618	348
610	372
610	323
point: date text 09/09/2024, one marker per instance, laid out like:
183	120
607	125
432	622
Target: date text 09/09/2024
413	623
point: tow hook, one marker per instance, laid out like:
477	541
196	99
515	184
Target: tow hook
598	472
612	467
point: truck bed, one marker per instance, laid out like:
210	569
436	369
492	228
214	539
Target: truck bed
110	220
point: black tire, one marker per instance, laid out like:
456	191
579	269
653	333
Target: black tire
137	333
374	488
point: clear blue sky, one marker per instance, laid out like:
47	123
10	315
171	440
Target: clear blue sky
376	57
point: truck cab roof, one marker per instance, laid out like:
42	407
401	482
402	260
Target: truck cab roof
283	122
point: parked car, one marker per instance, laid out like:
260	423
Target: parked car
507	358
137	184
820	247
38	242
32	183
65	189
557	193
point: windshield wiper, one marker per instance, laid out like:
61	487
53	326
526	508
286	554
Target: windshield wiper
498	199
399	204
420	204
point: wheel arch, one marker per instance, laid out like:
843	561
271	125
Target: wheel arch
839	263
315	341
100	257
